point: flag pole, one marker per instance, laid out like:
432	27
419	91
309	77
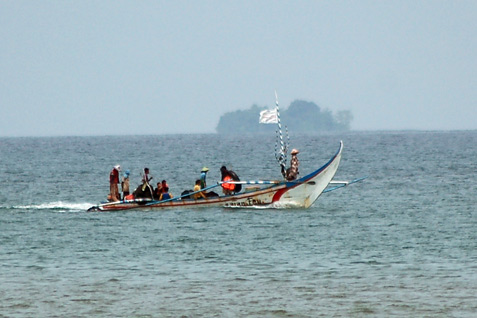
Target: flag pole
282	156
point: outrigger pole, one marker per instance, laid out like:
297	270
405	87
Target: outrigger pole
342	184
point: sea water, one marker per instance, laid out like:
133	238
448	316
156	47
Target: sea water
402	243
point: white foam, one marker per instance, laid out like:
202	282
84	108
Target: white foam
58	205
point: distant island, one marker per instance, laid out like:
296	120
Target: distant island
300	117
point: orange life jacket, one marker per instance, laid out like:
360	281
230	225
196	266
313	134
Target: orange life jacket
228	186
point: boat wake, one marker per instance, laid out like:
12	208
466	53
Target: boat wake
58	206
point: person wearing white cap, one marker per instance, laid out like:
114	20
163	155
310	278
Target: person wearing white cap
292	172
113	183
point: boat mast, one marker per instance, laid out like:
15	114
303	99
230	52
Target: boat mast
281	155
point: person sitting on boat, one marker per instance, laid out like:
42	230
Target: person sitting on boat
158	191
197	187
113	184
165	195
292	172
125	184
203	176
164	185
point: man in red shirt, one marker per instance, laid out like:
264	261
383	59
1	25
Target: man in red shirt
113	183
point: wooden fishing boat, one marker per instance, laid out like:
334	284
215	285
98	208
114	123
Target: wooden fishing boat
300	193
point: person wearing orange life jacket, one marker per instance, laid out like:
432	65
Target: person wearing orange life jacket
227	188
229	175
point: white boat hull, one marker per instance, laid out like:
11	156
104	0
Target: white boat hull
300	193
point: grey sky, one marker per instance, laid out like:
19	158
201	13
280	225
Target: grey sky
155	67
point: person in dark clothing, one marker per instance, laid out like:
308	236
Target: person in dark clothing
229	175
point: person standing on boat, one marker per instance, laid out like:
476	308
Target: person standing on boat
203	177
292	172
145	176
125	184
145	183
113	183
229	175
227	188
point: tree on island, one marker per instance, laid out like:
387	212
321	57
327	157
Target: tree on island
301	116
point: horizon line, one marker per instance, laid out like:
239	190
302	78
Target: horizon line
260	133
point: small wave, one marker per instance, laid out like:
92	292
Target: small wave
59	206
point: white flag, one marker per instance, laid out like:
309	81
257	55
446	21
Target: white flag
268	116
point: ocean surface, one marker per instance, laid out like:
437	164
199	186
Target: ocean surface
402	243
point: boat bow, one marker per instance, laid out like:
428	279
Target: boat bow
305	191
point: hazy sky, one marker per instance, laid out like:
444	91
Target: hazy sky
155	67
